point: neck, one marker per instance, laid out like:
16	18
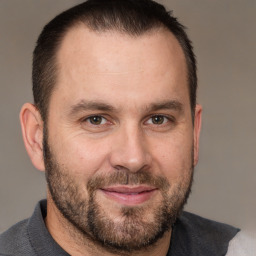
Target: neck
77	244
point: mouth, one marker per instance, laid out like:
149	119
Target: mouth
129	195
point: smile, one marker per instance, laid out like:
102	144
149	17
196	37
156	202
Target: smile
129	195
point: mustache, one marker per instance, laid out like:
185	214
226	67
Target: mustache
125	177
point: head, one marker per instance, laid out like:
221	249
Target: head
130	17
115	124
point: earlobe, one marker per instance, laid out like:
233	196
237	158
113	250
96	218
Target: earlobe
32	132
197	129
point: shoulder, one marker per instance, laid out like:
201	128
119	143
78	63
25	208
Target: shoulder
207	228
15	240
195	235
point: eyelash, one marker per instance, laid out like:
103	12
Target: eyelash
89	119
166	118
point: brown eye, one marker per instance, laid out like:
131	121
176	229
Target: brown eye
96	120
158	119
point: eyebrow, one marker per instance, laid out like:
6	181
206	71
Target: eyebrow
169	104
90	105
101	106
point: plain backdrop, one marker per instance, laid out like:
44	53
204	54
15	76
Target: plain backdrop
224	36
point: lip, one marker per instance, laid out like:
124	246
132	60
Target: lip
128	195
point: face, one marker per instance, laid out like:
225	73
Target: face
119	139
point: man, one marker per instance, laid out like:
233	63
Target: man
115	126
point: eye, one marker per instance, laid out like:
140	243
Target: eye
96	120
158	120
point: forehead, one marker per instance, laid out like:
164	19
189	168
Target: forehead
118	48
99	63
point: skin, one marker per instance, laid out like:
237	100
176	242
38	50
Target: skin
135	77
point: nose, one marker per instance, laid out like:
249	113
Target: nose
130	150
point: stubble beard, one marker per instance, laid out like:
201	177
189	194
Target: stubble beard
88	218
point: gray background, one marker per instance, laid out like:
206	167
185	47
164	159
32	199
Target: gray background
224	37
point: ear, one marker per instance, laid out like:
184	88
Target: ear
32	132
197	129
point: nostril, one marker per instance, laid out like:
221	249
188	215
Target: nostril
121	168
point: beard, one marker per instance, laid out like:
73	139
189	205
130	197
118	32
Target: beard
88	218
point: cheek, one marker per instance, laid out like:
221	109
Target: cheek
173	157
81	156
